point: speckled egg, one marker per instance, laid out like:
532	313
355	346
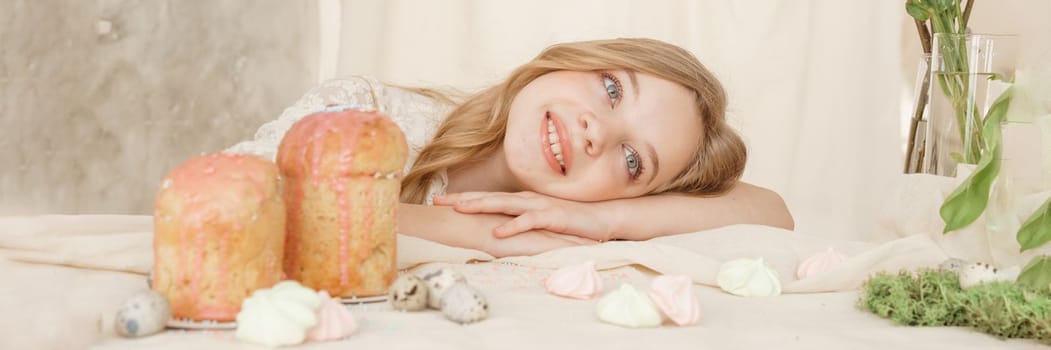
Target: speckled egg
953	265
408	293
464	304
438	281
144	313
977	273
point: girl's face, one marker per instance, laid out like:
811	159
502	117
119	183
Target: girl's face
591	136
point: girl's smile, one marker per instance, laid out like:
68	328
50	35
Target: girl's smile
556	144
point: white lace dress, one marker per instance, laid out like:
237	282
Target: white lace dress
417	115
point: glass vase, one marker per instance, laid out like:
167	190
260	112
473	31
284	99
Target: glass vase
918	117
968	73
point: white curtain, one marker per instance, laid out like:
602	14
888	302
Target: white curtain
815	86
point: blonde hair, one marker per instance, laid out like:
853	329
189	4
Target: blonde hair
476	127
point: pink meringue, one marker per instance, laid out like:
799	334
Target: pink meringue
334	321
675	298
819	263
575	281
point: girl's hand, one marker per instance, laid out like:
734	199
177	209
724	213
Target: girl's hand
535	211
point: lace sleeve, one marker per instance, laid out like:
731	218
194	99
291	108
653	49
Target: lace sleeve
418	116
268	137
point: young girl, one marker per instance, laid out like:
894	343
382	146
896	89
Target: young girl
588	142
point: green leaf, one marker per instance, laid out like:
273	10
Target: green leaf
1037	228
956	157
917	11
965	204
968	201
1037	273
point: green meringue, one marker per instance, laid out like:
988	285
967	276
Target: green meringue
748	278
627	307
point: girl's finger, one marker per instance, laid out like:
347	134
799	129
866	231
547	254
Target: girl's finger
503	204
453	198
526	222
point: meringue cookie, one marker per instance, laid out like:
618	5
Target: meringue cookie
748	278
438	281
464	304
278	316
576	281
627	307
978	273
674	296
144	313
408	293
819	263
334	321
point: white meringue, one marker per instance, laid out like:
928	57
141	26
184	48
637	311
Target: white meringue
675	298
576	281
627	307
819	263
748	278
334	321
278	316
978	273
437	282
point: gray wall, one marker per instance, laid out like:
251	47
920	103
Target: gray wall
99	99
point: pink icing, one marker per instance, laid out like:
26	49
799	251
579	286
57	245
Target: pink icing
576	281
334	321
819	263
674	296
212	187
310	134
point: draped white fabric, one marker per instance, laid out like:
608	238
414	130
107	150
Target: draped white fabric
815	86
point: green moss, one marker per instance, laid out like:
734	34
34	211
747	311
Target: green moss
934	298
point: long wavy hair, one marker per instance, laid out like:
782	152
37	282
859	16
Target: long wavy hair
476	127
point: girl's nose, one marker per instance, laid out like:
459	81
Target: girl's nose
594	134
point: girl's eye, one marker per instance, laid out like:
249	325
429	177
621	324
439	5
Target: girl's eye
634	162
613	88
